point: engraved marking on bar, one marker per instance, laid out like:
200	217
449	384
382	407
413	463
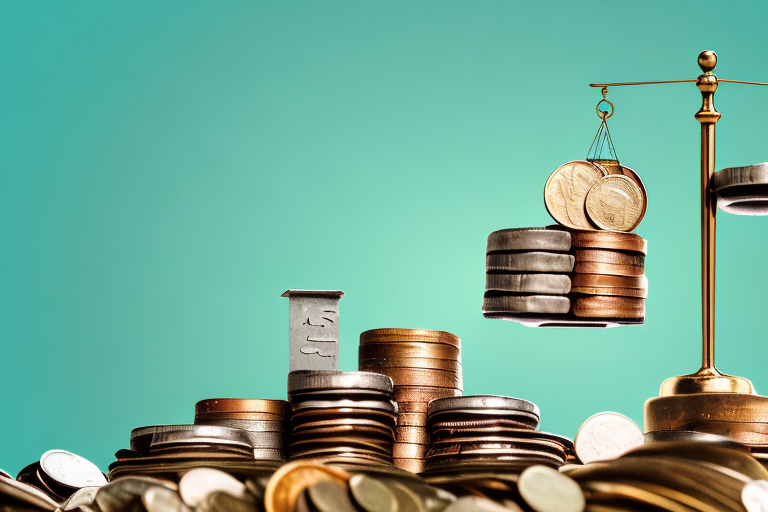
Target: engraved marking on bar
313	329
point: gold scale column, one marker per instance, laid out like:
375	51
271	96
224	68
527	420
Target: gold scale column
694	402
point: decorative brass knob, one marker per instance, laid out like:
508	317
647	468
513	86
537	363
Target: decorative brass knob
707	61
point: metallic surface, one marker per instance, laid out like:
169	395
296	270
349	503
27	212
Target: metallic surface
541	284
483	402
547	490
529	262
601	306
527	304
616	203
529	239
567	189
742	190
313	329
291	479
605	436
609	240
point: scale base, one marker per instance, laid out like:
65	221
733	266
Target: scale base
706	380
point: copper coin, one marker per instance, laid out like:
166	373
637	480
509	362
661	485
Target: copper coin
415	435
412	465
409	362
607	281
399	335
610	256
409	451
420	376
609	240
548	262
410	349
247	405
593	267
412	407
423	393
413	419
254	416
566	191
615	292
599	306
529	239
286	484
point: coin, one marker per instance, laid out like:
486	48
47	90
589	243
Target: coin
26	495
754	496
742	190
121	493
566	191
529	239
423	393
322	379
410	434
600	306
616	203
407	500
422	376
201	434
410	349
330	496
249	425
372	495
247	405
482	402
196	484
610	256
413	419
220	501
409	451
292	478
605	436
412	465
594	267
415	335
540	284
375	364
161	499
83	496
527	304
412	407
71	470
547	490
608	281
529	262
609	240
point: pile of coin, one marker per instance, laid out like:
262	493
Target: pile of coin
424	365
528	274
60	473
608	279
488	433
338	415
264	421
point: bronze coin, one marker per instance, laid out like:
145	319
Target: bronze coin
607	281
409	451
593	267
423	377
242	405
609	240
253	416
413	419
616	203
410	349
412	407
414	435
400	335
423	393
598	306
409	362
412	465
610	256
614	292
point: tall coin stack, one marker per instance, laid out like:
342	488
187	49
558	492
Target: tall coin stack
343	416
487	433
264	422
609	276
424	365
527	275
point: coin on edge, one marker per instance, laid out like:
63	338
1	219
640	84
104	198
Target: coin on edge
291	479
162	499
330	496
566	192
372	495
605	436
197	483
547	490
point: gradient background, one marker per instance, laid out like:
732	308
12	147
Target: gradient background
170	168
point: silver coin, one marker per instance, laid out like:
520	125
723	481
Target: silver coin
329	496
529	239
372	495
407	500
201	434
540	304
742	190
83	496
314	380
541	284
547	490
120	494
382	405
268	454
249	425
26	494
475	504
197	483
754	496
161	499
661	436
529	262
220	501
605	436
71	470
482	402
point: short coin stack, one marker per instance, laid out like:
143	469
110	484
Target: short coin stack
337	415
609	276
264	422
527	274
489	433
424	365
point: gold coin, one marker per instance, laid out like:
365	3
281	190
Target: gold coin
566	191
615	203
599	306
285	485
609	240
400	335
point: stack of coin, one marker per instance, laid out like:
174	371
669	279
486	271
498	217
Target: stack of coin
341	415
489	433
608	279
167	451
423	365
527	274
264	421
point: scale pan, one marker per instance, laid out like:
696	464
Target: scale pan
742	190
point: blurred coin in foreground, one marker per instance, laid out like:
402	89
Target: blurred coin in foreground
605	436
547	490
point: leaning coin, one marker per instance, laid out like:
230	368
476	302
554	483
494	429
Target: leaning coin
541	284
220	501
475	504
70	470
407	500
547	490
567	189
529	262
121	494
329	496
616	203
197	483
26	494
526	304
291	479
372	495
162	499
529	239
83	496
605	436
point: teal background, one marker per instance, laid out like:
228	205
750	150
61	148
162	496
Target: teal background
170	168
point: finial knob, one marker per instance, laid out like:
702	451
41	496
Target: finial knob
707	60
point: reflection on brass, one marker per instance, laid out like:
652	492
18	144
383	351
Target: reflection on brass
674	412
567	189
616	203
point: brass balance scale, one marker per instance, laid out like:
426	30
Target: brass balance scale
708	401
